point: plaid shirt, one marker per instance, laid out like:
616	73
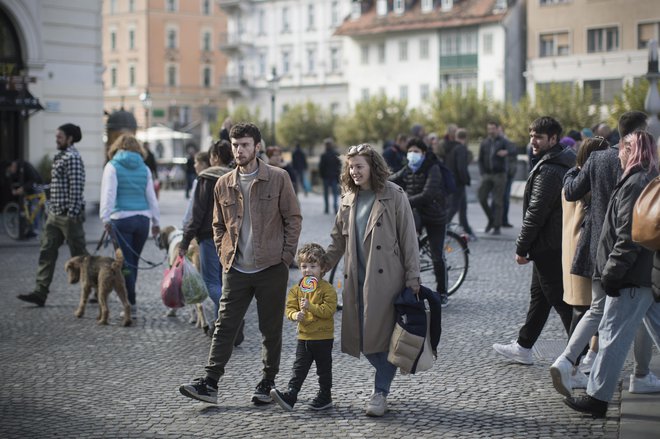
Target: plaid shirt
67	183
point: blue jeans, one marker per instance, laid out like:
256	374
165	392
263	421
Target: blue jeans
621	319
132	233
385	372
330	184
211	271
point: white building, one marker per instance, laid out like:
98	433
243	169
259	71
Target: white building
409	49
293	39
598	45
57	45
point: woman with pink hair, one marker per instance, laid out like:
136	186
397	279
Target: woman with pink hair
624	269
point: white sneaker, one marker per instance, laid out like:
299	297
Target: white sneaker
588	361
649	384
377	405
579	380
133	312
561	372
514	352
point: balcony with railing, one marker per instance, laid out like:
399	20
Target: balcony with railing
235	85
231	5
235	41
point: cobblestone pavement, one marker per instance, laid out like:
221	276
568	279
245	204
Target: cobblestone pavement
68	377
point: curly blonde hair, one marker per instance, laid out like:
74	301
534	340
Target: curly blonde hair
126	142
310	252
379	171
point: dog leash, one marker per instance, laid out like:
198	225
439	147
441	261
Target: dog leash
113	235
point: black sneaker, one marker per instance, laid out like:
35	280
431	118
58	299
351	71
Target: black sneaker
322	401
286	400
587	404
33	297
444	300
201	390
261	393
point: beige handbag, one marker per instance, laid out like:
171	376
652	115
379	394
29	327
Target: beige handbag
646	216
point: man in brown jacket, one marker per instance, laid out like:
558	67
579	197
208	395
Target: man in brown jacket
256	226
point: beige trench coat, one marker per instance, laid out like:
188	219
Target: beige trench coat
392	258
577	289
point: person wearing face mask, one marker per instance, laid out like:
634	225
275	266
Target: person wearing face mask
422	181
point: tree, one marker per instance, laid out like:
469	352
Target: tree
306	124
632	98
243	114
467	110
374	120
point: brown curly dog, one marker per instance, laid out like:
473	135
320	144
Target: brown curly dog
103	274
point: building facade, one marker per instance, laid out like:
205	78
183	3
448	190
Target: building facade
163	63
596	44
285	49
50	51
410	49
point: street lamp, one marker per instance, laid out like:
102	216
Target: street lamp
145	98
273	85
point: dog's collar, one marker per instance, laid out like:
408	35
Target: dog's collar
176	234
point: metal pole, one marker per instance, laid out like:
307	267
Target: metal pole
272	116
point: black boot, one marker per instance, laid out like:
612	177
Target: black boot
286	400
322	401
587	404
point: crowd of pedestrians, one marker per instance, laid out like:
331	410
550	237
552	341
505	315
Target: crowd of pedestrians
245	215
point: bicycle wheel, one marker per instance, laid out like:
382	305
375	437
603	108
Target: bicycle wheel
11	216
336	279
456	255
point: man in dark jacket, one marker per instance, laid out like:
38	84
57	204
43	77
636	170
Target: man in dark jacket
493	165
299	163
456	159
422	180
329	170
540	237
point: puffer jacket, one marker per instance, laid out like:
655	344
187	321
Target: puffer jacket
425	189
620	262
542	212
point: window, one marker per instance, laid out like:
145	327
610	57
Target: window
603	90
381	53
647	32
552	2
170	5
381	7
403	50
463	42
131	5
206	7
461	82
334	14
285	20
555	44
171	75
131	39
113	40
113	77
311	60
424	92
261	22
398	7
113	7
206	77
286	62
427	5
488	89
403	92
206	41
131	76
334	59
310	16
171	39
446	5
603	40
365	94
261	64
356	10
364	54
488	44
424	48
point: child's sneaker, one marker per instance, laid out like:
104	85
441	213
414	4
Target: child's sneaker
201	390
322	401
286	400
261	393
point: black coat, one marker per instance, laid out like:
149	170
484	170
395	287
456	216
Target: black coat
489	161
330	166
598	176
620	262
456	159
542	211
425	189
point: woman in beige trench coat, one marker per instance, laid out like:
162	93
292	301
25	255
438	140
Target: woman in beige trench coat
375	232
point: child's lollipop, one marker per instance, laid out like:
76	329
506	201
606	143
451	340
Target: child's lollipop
308	284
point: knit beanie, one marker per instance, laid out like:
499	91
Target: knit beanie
71	130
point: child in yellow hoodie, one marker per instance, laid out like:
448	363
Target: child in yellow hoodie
312	304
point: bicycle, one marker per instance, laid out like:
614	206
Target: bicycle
19	219
456	256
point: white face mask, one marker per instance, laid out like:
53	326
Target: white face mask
414	158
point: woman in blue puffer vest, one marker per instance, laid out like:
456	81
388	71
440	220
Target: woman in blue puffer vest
128	204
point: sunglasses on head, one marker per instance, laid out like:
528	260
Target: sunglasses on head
358	149
600	139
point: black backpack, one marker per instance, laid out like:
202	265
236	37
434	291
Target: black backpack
447	178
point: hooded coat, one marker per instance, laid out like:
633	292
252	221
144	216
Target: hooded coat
392	263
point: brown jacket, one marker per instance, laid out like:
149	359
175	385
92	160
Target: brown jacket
392	258
275	214
577	289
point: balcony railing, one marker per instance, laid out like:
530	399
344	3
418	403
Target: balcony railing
235	41
229	5
234	85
